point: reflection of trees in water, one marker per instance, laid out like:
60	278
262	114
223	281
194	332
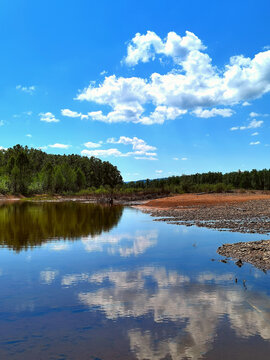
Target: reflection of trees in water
25	225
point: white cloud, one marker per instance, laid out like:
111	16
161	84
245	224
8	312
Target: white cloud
59	146
246	103
137	144
29	135
159	171
28	89
194	83
104	72
254	143
184	158
254	124
70	113
145	158
103	153
176	158
145	47
141	150
48	117
91	145
213	112
255	133
254	114
2	148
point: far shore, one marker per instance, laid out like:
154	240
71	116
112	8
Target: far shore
247	212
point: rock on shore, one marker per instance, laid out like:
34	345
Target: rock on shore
246	217
256	253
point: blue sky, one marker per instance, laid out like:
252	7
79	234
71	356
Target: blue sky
157	88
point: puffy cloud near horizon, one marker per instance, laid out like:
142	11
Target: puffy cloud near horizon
141	150
254	124
92	145
48	117
59	146
194	84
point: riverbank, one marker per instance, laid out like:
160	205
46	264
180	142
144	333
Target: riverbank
246	213
116	199
256	253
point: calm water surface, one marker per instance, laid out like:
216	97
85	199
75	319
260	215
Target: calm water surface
80	281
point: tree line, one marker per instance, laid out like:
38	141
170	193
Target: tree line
210	181
26	171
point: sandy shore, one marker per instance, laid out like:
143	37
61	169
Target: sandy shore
246	213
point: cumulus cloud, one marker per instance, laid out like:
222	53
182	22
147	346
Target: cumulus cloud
246	103
254	124
213	112
48	117
70	113
91	145
255	133
195	85
145	47
140	149
59	146
137	144
103	153
27	89
159	171
29	135
2	148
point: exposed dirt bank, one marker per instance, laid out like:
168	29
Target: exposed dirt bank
256	253
205	199
246	213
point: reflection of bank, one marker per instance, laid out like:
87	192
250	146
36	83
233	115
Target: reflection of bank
25	225
124	244
196	305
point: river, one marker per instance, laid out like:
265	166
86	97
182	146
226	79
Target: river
81	281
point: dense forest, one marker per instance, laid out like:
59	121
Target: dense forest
30	171
205	182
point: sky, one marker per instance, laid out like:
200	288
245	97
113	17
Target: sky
158	88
